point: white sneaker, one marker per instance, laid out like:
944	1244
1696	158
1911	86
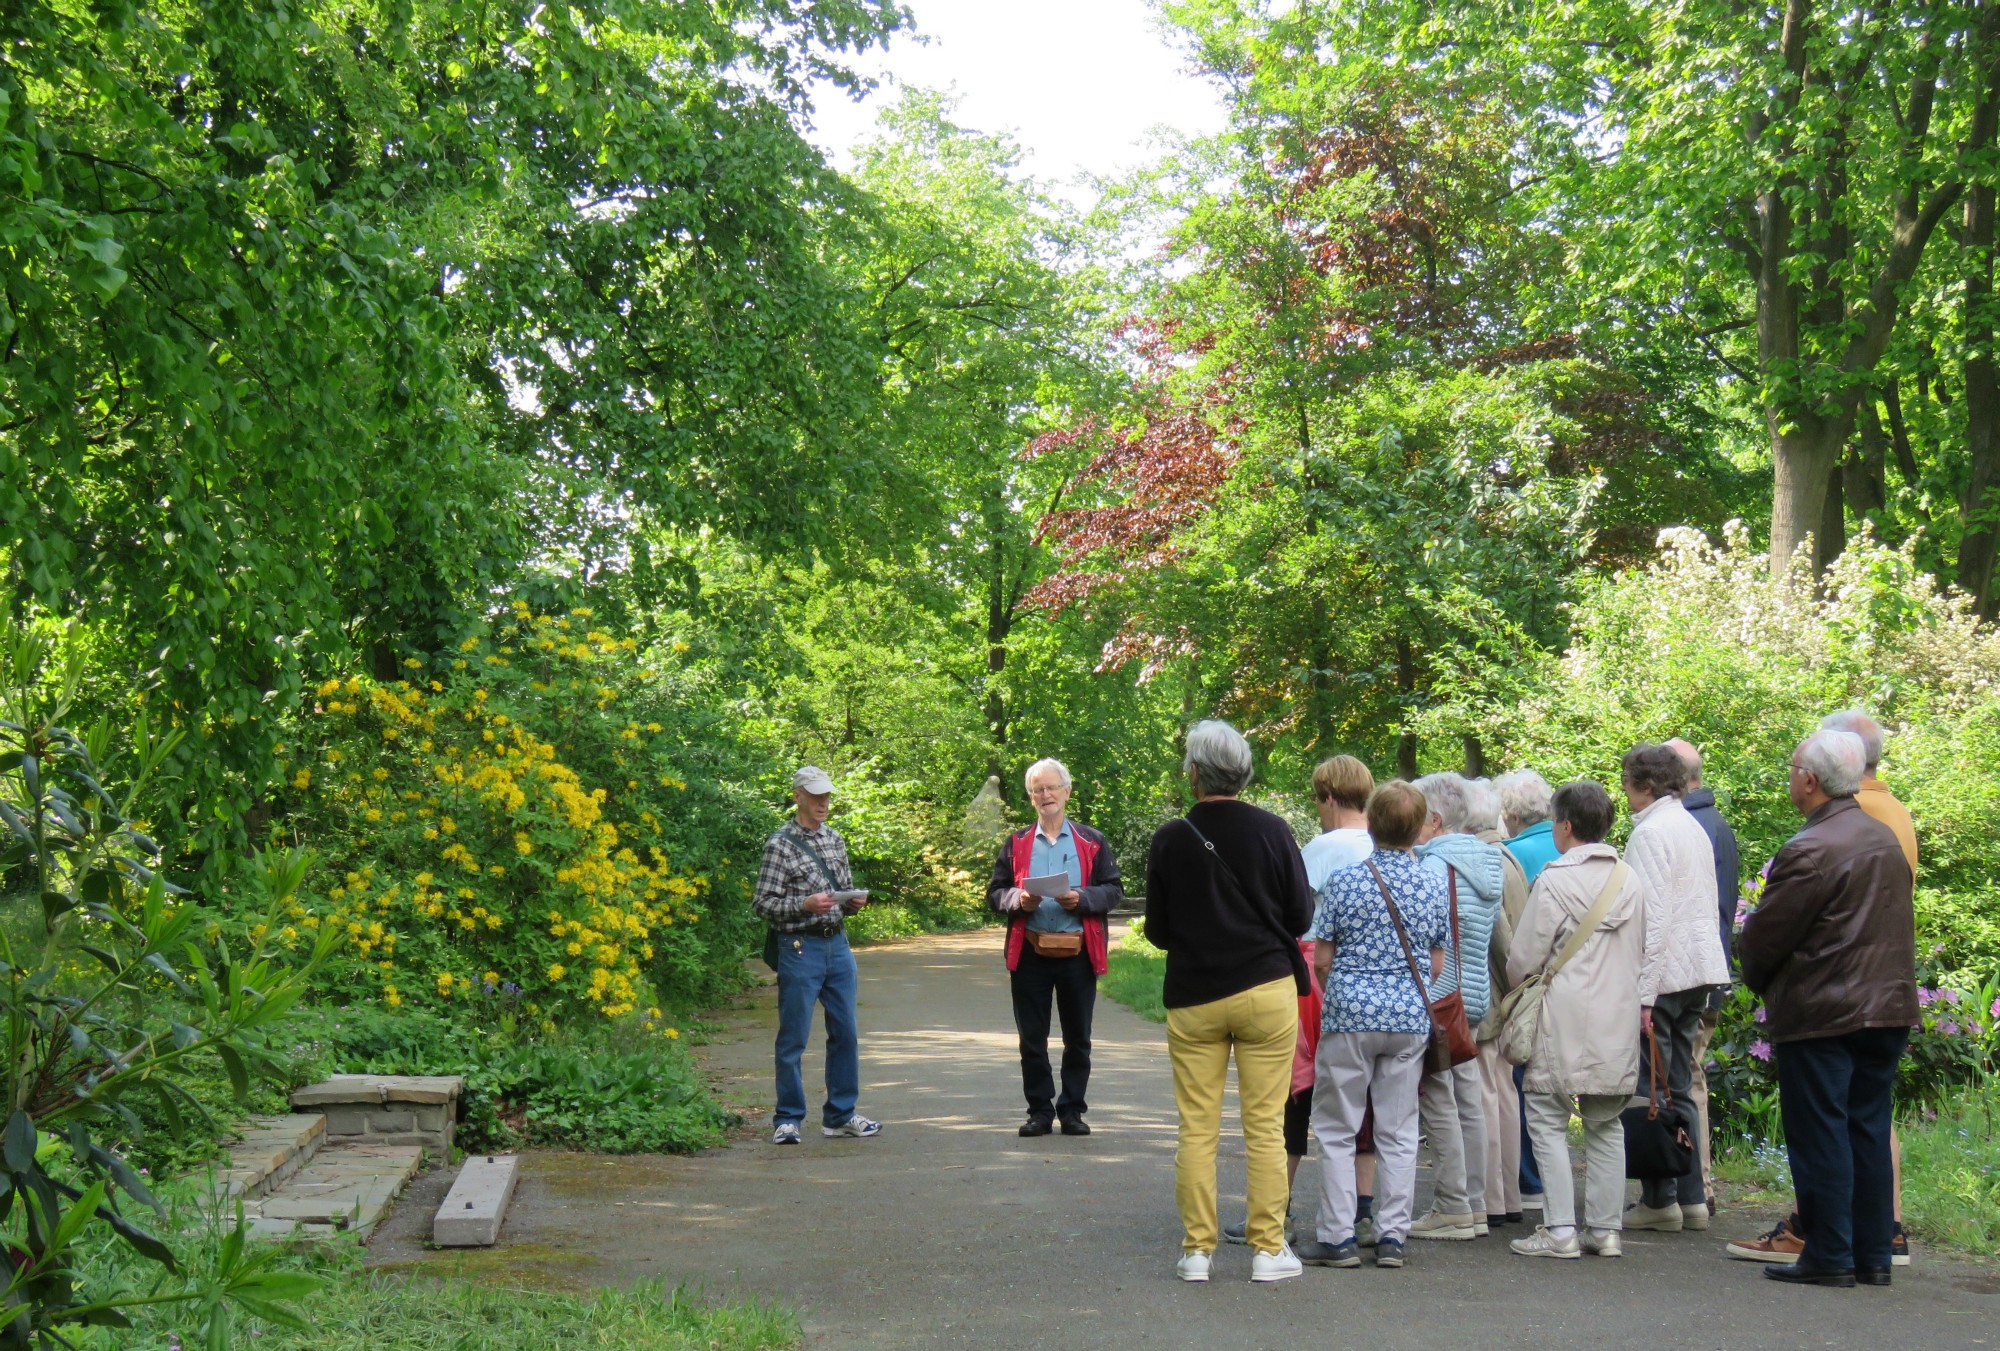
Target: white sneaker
1605	1244
1479	1226
786	1133
1281	1265
1454	1227
1193	1267
857	1126
1542	1243
1660	1219
1694	1216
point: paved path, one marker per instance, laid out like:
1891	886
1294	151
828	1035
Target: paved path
950	1231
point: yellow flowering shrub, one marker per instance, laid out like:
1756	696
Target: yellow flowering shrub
521	827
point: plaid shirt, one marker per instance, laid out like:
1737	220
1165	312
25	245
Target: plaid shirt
789	875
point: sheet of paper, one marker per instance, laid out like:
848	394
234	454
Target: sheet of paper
1053	885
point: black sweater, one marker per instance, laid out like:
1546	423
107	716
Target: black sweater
1214	947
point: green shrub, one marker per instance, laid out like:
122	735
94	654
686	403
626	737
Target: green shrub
613	1088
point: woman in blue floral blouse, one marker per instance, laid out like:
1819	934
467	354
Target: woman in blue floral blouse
1374	1027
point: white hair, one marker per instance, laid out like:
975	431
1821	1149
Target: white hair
1836	759
1218	757
1482	806
1448	800
1045	763
1524	798
1856	721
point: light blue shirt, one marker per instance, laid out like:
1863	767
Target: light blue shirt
1045	859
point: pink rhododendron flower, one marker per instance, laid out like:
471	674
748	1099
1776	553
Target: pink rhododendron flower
1761	1049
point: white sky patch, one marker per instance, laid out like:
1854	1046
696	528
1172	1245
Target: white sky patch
1080	84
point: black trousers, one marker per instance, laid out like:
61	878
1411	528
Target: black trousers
1676	1020
1835	1095
1073	984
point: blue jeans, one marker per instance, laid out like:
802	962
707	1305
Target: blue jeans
1531	1173
815	970
1835	1094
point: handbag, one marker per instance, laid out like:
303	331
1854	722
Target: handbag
1659	1139
1054	944
1451	1040
1301	973
1517	1016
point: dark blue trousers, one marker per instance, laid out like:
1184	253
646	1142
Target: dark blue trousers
1835	1094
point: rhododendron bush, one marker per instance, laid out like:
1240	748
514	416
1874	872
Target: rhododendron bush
541	824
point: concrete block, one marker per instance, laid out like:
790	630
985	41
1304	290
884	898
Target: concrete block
380	1088
432	1118
346	1121
477	1203
391	1123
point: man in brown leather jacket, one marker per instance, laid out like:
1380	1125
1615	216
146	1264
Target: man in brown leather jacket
1832	950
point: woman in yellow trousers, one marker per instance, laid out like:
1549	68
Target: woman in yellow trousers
1226	899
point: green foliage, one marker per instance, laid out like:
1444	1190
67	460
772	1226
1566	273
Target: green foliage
446	1306
1136	975
118	988
1951	1170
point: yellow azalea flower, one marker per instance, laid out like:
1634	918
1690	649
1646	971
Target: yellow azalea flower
558	971
302	779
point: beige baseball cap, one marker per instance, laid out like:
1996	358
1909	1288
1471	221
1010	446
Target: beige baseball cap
812	779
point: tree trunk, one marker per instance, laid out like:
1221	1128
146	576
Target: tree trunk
1475	757
1805	458
1982	406
1830	540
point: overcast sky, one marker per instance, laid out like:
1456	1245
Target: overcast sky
1080	84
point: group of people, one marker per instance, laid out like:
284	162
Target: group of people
1578	980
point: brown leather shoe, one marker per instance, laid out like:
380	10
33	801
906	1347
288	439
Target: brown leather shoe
1782	1244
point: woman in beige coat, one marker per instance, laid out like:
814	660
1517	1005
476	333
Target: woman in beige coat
1587	1045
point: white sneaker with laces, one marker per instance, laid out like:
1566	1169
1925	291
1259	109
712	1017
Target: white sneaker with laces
857	1126
1281	1265
1542	1243
786	1133
1193	1267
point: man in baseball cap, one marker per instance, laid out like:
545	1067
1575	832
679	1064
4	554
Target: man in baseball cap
805	889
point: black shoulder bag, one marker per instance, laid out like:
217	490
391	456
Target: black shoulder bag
1658	1141
1300	976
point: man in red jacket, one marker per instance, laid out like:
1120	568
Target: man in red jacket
1056	944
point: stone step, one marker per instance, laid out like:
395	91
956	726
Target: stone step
388	1109
270	1151
477	1203
345	1190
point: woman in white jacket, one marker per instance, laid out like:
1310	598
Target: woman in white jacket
1673	857
1587	1043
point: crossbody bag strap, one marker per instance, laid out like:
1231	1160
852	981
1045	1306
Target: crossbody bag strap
1457	953
1591	919
805	843
1276	922
1395	918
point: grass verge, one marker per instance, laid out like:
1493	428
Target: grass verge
1951	1173
1136	973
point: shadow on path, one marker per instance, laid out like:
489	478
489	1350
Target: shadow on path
949	1231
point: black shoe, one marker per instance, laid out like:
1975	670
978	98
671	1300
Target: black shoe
1037	1125
1075	1125
1871	1275
1511	1217
1793	1273
1388	1253
1317	1254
